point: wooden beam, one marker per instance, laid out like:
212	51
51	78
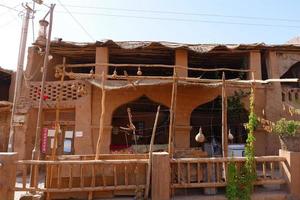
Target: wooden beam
150	154
224	119
172	116
101	129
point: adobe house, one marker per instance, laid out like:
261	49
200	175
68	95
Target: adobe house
198	105
6	94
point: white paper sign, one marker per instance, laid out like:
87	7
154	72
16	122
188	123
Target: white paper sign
78	134
67	145
51	132
68	134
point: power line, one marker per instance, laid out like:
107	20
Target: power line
10	8
185	20
90	36
186	13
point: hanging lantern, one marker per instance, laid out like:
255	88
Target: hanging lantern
139	72
114	75
200	136
92	71
230	136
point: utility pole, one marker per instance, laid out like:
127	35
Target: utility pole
36	149
18	83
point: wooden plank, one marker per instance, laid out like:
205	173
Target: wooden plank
59	176
70	176
83	162
78	189
93	176
115	176
198	173
209	173
24	176
264	169
272	170
188	172
81	176
126	175
218	172
178	172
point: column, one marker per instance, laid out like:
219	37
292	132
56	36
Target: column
160	186
102	56
255	65
181	59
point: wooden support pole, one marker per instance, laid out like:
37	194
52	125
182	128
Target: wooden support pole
172	116
224	119
101	130
150	154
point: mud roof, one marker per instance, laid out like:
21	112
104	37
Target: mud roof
5	74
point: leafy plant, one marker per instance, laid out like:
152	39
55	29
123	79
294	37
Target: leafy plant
232	182
284	127
240	184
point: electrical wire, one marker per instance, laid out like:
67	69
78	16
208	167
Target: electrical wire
74	18
184	20
186	13
10	8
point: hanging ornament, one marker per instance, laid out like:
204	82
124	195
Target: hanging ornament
200	136
114	75
230	136
139	72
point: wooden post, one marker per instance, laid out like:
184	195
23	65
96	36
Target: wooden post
101	130
161	172
224	119
150	153
8	169
57	111
172	115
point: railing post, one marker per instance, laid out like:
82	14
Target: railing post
161	172
292	171
7	174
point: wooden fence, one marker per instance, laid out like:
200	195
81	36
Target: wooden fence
82	175
209	172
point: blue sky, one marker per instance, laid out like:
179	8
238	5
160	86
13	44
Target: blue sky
203	21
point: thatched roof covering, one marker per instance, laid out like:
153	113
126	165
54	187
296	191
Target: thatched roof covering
198	48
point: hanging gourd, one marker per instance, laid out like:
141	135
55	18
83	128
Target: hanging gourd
139	72
200	136
230	136
114	75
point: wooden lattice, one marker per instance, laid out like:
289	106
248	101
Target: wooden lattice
69	90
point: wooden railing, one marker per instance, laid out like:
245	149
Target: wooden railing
82	175
209	172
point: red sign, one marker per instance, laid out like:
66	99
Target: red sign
44	140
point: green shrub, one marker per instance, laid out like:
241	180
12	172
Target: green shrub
285	127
